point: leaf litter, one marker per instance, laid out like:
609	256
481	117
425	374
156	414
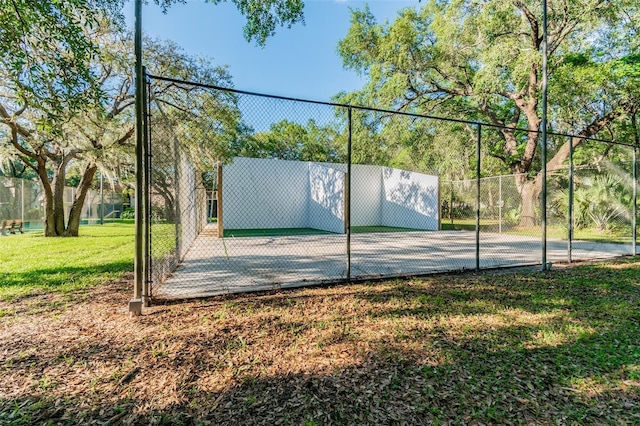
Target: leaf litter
511	348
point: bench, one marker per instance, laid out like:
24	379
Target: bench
12	225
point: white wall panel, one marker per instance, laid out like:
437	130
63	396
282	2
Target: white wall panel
410	199
326	198
366	191
265	193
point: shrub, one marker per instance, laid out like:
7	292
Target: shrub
128	213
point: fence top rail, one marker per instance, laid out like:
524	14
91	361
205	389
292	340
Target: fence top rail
372	109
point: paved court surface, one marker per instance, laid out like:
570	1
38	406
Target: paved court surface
214	266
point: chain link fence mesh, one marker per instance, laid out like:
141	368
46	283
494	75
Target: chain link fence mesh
255	192
23	200
602	196
247	192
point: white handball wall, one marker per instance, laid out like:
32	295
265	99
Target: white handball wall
269	193
409	200
366	192
191	208
265	193
326	198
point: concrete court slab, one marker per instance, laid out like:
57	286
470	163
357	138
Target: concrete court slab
215	266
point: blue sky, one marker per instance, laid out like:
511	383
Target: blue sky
300	62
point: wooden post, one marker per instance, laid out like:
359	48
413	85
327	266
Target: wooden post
219	198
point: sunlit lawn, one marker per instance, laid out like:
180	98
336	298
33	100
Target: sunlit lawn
32	264
553	231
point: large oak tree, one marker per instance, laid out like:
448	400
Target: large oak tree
482	59
66	95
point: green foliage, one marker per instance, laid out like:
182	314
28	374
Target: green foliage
10	167
262	16
601	202
512	216
482	61
128	213
288	140
45	50
206	122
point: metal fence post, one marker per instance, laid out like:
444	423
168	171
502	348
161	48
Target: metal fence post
451	201
570	204
634	218
478	165
149	214
22	200
500	204
543	124
145	193
219	199
347	195
135	305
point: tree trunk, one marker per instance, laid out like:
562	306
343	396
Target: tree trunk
78	202
49	216
530	196
58	199
54	220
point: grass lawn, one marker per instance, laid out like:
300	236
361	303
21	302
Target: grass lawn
378	229
492	225
32	264
561	347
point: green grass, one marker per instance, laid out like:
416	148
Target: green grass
32	264
559	232
379	229
163	236
273	232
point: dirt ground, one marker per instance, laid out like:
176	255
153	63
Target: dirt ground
467	349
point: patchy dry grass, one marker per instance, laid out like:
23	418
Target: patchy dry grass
555	348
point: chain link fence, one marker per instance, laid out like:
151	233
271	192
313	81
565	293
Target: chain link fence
253	192
23	200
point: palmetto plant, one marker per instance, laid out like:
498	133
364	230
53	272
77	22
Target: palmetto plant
599	202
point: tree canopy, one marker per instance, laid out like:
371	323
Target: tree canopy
46	50
66	100
100	137
263	17
482	60
47	45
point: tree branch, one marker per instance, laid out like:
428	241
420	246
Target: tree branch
536	38
631	106
126	136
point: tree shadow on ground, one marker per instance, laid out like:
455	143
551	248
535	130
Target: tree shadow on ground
393	387
59	276
495	349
